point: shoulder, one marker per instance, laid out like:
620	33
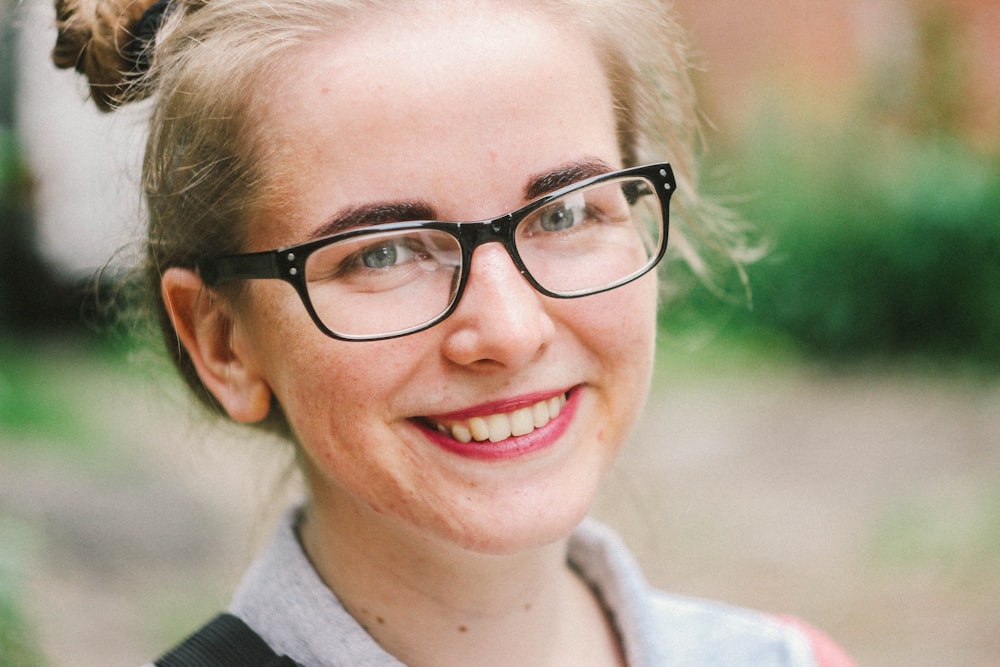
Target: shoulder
721	634
659	628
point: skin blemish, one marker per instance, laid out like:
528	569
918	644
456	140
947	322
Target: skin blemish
527	606
324	91
463	628
380	620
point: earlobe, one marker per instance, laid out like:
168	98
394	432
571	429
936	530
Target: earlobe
205	327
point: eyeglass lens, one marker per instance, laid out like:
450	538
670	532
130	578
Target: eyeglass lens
586	241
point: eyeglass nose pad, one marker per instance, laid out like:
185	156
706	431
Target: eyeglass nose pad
486	231
500	227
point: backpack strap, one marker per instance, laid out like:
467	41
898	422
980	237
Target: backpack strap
225	641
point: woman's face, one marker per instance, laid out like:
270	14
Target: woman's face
462	111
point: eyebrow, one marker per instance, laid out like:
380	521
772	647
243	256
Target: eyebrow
568	174
373	214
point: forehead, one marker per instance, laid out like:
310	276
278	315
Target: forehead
410	105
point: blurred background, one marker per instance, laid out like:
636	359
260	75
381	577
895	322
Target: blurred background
831	450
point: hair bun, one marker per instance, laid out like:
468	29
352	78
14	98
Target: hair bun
102	39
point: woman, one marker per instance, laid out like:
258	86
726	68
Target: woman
455	392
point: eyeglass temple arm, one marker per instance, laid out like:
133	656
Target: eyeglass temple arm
236	267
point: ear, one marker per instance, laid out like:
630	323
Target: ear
205	327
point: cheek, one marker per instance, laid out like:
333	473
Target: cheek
332	392
623	324
299	363
626	342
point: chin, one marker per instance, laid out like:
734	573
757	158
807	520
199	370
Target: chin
519	530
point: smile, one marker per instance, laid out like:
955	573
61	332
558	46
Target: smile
503	425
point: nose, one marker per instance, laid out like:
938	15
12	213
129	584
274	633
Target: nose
501	321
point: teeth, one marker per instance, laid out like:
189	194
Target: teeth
522	422
479	429
541	414
499	427
504	425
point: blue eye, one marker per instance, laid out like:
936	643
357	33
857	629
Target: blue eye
380	256
563	214
557	219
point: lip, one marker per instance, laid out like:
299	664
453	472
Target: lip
508	405
513	447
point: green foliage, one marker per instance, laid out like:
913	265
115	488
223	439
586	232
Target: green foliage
13	175
10	161
882	245
50	399
16	649
32	400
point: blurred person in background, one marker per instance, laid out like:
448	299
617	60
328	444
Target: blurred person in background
418	239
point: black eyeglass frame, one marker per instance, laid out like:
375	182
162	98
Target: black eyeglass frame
288	263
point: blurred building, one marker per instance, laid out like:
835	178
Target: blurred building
913	62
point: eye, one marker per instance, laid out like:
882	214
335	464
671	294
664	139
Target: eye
563	214
556	219
386	254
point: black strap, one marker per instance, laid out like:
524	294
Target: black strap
226	641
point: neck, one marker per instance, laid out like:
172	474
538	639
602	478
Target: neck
429	603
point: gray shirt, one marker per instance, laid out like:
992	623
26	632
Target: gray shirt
285	601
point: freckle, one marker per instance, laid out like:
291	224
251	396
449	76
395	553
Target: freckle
527	606
462	628
381	621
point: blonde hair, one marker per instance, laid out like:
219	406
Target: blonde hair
210	58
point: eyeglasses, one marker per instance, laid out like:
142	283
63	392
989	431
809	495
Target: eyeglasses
392	279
